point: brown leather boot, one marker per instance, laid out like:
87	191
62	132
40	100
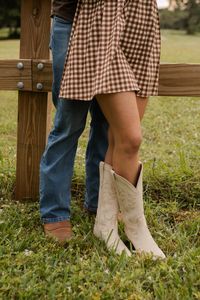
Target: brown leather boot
60	231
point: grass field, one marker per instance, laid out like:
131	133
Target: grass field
32	267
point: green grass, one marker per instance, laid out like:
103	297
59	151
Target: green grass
4	33
32	267
177	47
9	49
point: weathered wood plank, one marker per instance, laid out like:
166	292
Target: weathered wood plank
175	79
30	144
179	80
43	76
10	75
32	106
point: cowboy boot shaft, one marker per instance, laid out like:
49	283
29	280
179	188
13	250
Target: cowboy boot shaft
130	199
106	225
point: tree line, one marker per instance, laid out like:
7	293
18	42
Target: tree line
10	16
186	16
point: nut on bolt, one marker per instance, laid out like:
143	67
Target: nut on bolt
20	65
20	85
39	86
40	66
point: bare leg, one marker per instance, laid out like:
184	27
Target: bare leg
109	153
141	103
123	111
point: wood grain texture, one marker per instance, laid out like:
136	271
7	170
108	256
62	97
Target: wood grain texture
43	76
31	141
174	79
35	28
32	106
10	75
179	80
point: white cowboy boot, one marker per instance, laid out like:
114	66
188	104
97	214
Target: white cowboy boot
106	225
130	200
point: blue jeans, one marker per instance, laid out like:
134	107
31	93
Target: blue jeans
57	162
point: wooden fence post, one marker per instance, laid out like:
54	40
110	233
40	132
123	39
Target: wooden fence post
33	107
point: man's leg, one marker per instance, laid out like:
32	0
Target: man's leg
96	150
57	162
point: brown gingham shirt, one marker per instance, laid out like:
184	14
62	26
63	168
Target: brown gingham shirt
114	46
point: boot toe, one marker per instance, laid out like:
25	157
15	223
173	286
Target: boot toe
59	231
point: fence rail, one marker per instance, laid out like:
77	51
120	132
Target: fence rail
36	75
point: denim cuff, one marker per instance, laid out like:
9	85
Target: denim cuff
53	220
92	210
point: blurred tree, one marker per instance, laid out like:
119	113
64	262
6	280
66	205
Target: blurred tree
193	16
191	20
10	16
175	19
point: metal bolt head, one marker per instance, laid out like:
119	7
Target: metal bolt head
40	66
39	86
20	85
20	65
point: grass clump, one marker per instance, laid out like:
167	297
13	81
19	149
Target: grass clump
33	266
